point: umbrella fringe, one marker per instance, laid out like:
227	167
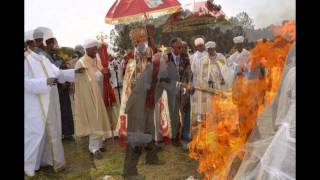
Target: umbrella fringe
140	16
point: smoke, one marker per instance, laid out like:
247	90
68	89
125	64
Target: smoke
269	12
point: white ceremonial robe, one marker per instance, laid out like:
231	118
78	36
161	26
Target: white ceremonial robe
237	61
200	69
42	119
217	70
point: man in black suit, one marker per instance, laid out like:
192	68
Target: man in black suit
173	88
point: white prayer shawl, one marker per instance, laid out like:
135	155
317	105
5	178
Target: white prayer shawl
237	61
42	119
200	68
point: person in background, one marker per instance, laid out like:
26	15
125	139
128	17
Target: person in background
200	68
51	48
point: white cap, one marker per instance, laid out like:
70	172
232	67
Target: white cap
210	44
89	43
48	35
238	39
198	41
28	36
39	32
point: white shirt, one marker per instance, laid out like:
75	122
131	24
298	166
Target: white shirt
176	59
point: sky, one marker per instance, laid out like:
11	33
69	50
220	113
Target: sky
73	21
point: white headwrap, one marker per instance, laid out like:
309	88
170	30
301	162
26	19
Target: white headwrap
238	39
48	35
43	32
39	32
28	36
210	44
89	43
198	41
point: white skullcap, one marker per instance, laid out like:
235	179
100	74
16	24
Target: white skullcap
198	41
28	36
39	32
210	44
90	43
238	39
48	35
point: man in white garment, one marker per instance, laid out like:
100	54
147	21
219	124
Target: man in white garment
42	120
28	39
238	59
217	64
200	69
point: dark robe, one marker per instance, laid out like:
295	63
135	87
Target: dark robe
64	97
66	110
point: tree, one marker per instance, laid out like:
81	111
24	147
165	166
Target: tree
122	40
245	21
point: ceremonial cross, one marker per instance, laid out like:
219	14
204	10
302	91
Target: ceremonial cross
162	49
102	37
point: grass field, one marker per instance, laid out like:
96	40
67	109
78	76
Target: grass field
178	165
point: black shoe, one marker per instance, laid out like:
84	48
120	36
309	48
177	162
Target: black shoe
97	154
103	149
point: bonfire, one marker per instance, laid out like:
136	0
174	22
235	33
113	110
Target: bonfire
222	136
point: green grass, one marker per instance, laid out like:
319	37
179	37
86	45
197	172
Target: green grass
79	166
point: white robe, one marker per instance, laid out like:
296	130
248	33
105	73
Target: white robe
218	71
42	144
237	61
200	69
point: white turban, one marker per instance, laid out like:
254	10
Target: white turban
40	32
198	41
48	35
210	44
238	39
90	43
28	36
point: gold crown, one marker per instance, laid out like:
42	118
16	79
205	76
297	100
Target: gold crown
138	34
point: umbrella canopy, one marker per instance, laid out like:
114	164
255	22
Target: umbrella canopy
129	11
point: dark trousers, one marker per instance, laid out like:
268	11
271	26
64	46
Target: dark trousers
132	158
186	126
174	106
66	112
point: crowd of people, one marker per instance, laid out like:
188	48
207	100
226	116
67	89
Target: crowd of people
64	97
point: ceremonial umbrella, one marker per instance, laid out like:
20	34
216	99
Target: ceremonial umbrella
130	11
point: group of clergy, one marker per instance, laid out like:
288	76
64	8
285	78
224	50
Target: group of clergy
48	107
161	93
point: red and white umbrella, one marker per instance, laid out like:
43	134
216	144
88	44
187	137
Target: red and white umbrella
130	11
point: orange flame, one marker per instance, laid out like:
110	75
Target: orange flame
223	134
